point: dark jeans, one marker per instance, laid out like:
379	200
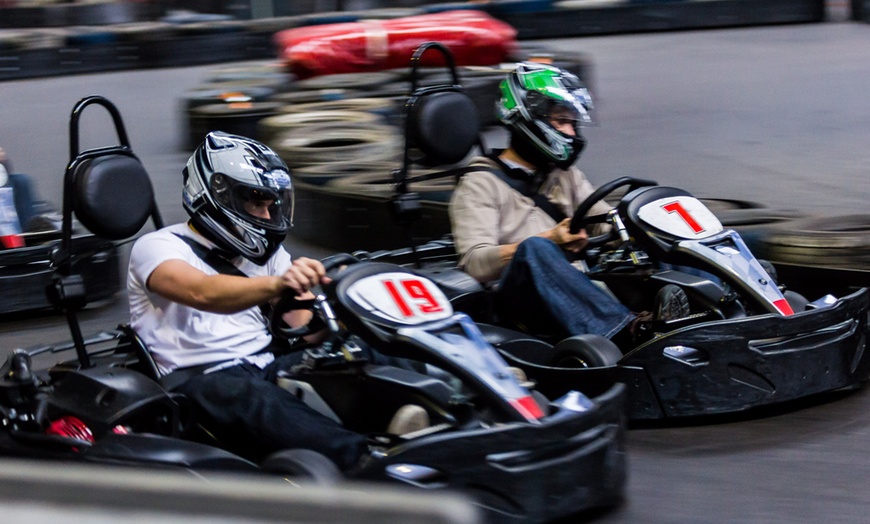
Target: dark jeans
250	415
544	293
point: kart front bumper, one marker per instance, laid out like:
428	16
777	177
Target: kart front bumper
733	365
571	462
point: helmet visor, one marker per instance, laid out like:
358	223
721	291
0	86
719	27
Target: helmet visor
264	206
260	205
558	113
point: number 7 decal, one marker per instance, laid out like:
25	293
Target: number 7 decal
677	207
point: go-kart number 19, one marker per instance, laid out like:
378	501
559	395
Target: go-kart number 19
401	297
424	302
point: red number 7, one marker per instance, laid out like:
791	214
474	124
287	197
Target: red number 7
677	207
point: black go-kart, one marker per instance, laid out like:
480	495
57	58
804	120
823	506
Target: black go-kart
520	456
28	262
749	341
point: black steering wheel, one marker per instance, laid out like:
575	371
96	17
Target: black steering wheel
290	301
580	220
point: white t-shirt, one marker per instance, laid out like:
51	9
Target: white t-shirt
180	336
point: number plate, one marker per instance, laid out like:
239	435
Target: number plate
402	298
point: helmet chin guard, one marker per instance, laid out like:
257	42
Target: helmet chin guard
239	195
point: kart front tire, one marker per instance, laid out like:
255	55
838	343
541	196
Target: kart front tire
585	351
303	465
797	301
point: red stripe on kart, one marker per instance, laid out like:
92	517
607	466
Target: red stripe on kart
528	407
783	306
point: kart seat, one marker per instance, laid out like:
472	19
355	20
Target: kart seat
441	123
108	190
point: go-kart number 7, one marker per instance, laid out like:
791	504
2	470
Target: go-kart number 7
410	294
677	207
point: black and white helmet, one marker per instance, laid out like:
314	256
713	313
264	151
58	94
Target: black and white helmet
529	95
239	195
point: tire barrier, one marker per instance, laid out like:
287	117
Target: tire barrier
18	40
76	14
340	221
323	174
330	143
834	242
348	81
381	184
144	32
270	72
271	127
212	95
315	95
820	255
238	118
216	38
571	18
381	107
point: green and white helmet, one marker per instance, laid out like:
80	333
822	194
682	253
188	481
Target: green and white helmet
529	95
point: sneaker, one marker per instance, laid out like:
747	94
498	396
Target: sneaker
410	418
671	303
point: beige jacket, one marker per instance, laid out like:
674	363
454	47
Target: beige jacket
485	213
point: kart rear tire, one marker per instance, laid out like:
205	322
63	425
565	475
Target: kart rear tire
585	351
303	465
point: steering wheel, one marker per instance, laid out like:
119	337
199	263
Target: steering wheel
580	220
290	301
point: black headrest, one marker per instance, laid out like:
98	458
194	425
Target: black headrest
444	126
113	195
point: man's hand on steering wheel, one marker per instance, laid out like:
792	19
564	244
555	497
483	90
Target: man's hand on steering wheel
304	274
561	235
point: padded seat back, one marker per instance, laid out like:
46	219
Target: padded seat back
443	124
112	192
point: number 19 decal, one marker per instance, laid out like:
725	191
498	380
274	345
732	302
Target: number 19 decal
677	207
400	297
415	289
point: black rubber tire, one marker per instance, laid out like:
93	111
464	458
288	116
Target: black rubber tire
585	351
283	122
834	242
324	173
239	119
797	301
325	144
380	106
355	81
303	465
264	69
381	184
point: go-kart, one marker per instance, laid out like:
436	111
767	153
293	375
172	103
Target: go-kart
29	258
749	341
520	456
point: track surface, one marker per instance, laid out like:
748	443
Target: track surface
776	115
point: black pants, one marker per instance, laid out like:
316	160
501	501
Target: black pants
251	416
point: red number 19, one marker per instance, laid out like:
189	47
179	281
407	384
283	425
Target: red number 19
415	289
